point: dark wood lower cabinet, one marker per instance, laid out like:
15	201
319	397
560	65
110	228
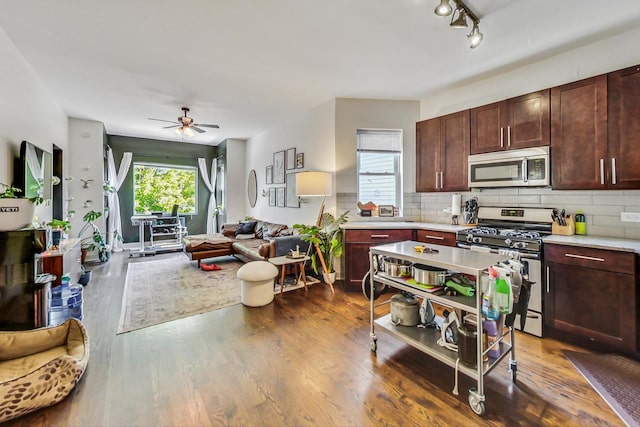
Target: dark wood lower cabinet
356	252
587	302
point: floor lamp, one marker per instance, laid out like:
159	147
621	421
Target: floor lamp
316	184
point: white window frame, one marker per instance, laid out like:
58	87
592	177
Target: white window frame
398	161
169	166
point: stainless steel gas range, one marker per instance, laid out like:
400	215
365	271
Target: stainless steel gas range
519	230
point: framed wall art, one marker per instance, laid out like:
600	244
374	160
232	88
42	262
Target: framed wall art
269	175
278	167
291	159
299	160
291	199
272	196
280	197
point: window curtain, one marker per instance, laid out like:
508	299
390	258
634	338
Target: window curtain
114	181
210	181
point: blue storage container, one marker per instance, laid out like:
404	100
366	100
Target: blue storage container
66	302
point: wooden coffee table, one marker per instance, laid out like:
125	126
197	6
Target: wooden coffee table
298	265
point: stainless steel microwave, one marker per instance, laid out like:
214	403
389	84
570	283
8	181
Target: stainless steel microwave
528	167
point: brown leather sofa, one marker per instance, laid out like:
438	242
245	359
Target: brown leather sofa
267	240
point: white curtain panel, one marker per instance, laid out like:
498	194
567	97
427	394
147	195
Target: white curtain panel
210	182
116	178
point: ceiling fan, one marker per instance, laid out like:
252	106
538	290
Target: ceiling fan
185	126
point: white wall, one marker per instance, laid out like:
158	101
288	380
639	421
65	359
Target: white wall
87	162
236	183
28	112
311	133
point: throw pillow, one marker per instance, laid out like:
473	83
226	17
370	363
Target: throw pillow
229	230
273	231
246	228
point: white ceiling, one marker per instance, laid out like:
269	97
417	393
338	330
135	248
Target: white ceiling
248	65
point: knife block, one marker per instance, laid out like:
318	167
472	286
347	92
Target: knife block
564	230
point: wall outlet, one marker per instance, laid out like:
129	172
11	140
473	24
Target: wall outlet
629	216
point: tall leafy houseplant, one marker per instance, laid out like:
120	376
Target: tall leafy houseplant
94	241
328	237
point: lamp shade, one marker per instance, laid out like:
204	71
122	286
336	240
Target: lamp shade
313	184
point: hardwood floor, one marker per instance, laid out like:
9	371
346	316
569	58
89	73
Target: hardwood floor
302	360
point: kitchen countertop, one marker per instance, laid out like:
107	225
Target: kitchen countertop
389	225
597	242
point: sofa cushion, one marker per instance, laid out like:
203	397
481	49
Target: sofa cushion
273	231
246	227
248	248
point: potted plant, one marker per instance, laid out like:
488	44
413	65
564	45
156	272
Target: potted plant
328	237
15	212
59	228
96	240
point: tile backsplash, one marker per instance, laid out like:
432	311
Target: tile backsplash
601	208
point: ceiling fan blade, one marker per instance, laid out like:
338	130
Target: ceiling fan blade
170	127
197	129
160	120
207	126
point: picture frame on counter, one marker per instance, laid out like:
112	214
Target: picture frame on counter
385	210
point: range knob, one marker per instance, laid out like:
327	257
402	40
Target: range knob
508	242
477	239
520	245
469	238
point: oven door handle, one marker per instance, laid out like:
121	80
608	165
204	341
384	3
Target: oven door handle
525	172
523	255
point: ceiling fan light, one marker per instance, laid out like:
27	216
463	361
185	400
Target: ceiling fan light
475	36
188	131
461	21
444	8
178	131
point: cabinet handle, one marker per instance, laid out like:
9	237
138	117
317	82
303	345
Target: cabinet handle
589	258
501	137
379	236
426	236
508	136
602	171
613	171
548	279
436	180
442	181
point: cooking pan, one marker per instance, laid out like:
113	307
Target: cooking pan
428	275
396	267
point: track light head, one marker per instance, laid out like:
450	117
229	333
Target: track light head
475	36
461	21
444	8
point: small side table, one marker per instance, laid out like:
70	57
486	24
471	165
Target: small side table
298	265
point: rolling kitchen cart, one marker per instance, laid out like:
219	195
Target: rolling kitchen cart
425	339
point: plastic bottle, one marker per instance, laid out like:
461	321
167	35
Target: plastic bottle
492	335
488	303
503	298
581	226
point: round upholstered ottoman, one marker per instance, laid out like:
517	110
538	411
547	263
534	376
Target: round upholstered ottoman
257	283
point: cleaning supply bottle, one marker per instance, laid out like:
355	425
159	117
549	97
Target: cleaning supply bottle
504	300
492	335
581	226
488	304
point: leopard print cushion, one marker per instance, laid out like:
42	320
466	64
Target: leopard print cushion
47	384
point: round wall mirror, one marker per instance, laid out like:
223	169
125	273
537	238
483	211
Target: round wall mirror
252	188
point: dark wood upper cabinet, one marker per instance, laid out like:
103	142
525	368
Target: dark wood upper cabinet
624	128
442	148
579	134
521	122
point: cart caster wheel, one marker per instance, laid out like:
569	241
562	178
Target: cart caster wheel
476	404
374	346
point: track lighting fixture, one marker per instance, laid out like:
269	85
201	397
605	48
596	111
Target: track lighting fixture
463	12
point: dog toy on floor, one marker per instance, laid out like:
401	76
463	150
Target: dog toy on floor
209	267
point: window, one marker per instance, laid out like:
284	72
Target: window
156	188
380	167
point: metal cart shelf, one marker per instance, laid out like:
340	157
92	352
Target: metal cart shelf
424	339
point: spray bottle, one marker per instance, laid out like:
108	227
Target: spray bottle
488	304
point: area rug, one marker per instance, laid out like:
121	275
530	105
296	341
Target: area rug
174	288
615	378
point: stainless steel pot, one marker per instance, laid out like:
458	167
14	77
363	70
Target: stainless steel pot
428	275
395	267
405	310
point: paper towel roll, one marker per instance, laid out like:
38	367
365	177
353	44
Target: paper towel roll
456	203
